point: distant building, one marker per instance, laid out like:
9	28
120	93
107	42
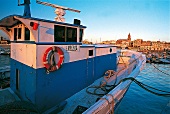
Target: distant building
86	42
113	42
137	42
124	42
146	45
129	37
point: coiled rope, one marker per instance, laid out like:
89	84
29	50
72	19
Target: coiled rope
103	86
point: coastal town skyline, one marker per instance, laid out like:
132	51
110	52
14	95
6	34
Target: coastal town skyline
111	20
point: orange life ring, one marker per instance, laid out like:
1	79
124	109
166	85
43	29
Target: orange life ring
48	57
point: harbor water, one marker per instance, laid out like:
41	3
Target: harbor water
138	100
4	60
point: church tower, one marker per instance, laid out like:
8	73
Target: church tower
129	37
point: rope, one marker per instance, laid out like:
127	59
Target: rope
103	86
159	69
142	85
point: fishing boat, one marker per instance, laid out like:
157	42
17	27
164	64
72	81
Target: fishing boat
54	72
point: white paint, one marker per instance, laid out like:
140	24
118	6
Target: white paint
42	33
43	30
24	53
105	50
69	56
32	54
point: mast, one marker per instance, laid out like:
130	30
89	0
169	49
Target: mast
26	4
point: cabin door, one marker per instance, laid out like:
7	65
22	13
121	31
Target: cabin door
90	66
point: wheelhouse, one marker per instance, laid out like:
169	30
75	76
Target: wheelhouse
20	28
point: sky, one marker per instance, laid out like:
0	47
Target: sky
106	19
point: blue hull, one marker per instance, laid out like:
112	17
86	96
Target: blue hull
47	90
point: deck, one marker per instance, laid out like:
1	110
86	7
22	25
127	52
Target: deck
84	100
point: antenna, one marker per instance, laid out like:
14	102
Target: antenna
60	10
27	12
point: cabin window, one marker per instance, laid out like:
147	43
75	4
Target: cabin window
81	35
59	34
27	34
90	52
65	34
71	34
17	33
17	79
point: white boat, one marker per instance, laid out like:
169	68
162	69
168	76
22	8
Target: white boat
54	71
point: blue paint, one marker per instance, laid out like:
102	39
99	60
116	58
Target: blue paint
58	43
57	86
104	63
97	46
26	42
27	12
85	46
50	31
49	90
104	46
27	80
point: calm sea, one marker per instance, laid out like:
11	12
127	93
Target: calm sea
137	100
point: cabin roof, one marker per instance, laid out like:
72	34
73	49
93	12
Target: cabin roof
10	21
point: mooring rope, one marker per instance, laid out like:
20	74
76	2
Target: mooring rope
146	87
142	85
159	69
